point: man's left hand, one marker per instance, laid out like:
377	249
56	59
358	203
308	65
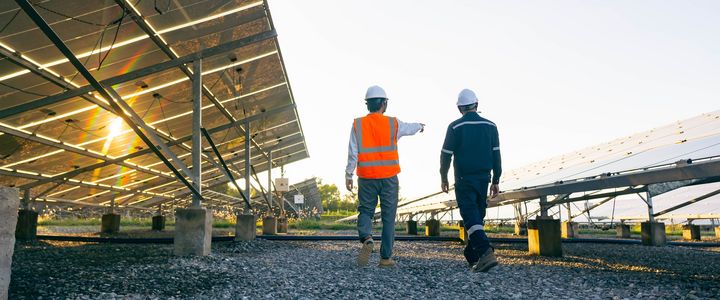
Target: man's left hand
494	190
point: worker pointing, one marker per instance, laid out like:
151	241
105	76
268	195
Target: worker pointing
473	141
373	149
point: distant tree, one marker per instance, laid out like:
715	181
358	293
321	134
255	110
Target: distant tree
329	196
349	202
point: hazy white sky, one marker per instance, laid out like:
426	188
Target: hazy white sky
554	75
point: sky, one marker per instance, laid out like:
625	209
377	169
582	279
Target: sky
555	76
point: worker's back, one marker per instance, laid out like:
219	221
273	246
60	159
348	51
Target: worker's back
473	140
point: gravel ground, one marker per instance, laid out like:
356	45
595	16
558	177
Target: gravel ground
308	270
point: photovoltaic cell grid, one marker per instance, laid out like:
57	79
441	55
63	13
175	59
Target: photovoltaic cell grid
66	142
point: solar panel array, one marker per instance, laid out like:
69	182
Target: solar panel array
75	150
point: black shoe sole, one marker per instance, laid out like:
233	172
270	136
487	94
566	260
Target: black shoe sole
486	268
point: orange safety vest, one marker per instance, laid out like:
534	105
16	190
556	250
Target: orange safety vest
377	146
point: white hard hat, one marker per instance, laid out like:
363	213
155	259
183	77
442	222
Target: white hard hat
466	97
375	92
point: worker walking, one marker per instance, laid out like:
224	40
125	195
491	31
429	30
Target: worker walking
373	149
474	142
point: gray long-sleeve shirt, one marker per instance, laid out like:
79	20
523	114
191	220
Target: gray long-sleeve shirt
474	142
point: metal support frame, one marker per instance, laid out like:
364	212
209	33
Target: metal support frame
196	126
262	190
588	209
105	93
681	205
157	40
649	202
231	162
543	207
248	159
225	168
75	149
70	174
269	173
707	170
83	184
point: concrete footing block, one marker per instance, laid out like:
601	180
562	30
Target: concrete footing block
569	230
432	227
26	228
245	228
110	223
412	227
193	231
544	237
9	201
691	232
158	223
653	234
622	231
717	232
269	225
462	232
282	225
521	229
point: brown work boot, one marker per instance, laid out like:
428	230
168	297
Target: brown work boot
364	256
486	261
387	262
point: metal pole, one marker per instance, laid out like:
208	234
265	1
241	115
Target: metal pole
651	217
26	199
543	207
112	204
248	158
196	125
269	172
569	212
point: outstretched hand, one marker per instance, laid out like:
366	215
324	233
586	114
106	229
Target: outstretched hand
422	128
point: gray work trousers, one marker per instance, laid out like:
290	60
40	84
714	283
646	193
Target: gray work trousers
368	192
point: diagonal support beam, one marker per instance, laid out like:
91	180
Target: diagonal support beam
225	168
681	205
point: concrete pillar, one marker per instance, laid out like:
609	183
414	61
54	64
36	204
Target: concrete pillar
717	232
158	223
193	231
569	230
110	223
653	233
432	227
544	237
26	228
269	225
9	201
520	228
691	232
462	232
282	225
622	231
245	228
412	227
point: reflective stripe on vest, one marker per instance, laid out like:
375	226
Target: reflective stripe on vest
377	150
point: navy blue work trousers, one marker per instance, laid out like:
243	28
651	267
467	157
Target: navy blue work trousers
471	195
